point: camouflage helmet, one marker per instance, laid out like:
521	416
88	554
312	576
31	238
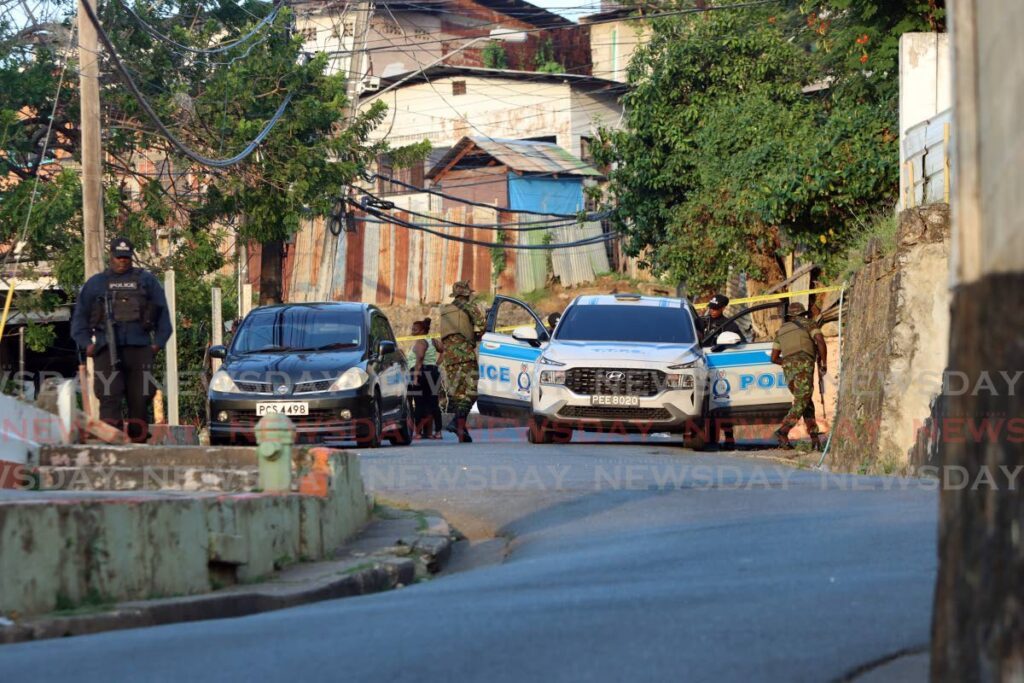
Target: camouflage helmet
462	288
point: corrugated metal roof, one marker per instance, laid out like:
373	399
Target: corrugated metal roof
523	156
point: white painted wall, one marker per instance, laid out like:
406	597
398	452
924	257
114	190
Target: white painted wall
926	83
590	112
612	46
496	108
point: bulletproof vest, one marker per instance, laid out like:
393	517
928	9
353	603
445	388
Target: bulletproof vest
129	302
454	320
794	338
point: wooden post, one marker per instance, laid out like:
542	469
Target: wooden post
172	350
92	167
945	159
913	190
92	151
159	415
217	322
247	300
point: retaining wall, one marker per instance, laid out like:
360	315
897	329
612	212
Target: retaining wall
68	549
895	338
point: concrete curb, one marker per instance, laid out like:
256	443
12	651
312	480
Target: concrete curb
369	570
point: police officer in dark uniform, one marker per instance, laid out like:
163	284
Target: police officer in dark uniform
141	324
716	316
713	322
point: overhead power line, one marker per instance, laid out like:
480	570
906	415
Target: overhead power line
155	119
383	218
528	226
445	195
149	29
641	17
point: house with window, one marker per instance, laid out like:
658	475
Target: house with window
404	36
444	104
521	175
615	34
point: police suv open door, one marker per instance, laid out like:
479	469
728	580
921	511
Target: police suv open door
743	383
514	339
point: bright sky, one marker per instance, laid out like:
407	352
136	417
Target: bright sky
572	9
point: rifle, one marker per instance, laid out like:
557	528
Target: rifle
821	392
111	334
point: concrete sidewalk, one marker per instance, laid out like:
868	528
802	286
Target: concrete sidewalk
397	548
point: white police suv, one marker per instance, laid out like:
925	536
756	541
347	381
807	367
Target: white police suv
623	363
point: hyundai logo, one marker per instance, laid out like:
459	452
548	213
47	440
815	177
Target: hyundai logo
282	390
615	376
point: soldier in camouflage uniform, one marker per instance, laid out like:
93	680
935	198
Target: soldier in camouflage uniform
462	324
797	345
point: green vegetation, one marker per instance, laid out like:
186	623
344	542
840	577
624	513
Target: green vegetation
214	104
882	228
545	61
90	603
756	132
499	259
494	56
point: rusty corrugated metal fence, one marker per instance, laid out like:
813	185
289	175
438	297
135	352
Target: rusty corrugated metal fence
388	264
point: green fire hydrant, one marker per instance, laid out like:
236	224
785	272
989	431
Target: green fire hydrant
275	435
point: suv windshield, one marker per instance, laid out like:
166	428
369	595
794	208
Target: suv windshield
299	328
639	324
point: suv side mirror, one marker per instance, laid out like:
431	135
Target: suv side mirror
728	339
528	334
386	348
219	352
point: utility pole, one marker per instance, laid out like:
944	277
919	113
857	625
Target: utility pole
92	167
216	323
356	69
92	152
171	350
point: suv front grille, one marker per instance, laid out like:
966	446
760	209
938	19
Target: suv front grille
614	381
614	413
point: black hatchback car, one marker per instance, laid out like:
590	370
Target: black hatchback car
333	368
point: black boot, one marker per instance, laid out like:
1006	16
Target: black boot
462	428
816	441
783	438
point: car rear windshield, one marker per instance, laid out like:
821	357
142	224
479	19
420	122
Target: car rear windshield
299	328
625	323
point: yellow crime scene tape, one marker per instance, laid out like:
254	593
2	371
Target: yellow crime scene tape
743	300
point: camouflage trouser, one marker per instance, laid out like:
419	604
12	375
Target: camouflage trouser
800	376
461	372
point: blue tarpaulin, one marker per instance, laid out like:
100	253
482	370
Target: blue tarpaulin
545	195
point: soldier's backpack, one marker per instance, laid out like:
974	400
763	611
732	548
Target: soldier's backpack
794	338
454	320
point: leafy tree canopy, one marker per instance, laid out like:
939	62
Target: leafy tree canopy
751	132
215	103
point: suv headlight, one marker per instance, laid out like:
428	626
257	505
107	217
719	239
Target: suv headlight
222	382
552	376
353	378
544	360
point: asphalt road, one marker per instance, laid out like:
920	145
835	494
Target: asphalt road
625	561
